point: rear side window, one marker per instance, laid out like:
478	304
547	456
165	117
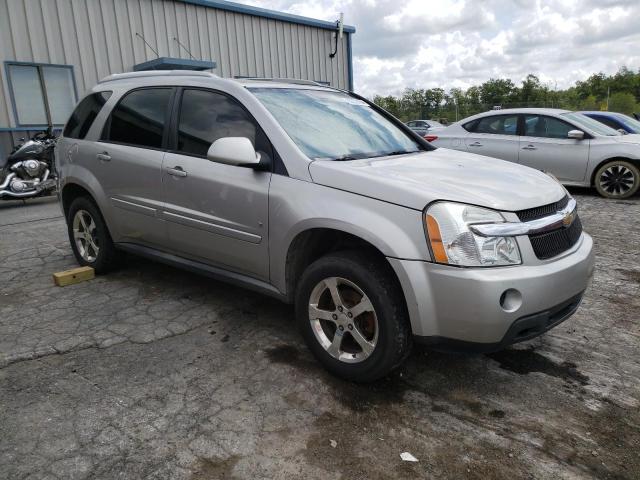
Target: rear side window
140	118
498	125
85	113
206	116
608	122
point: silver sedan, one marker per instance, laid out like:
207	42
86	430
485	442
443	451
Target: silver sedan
574	148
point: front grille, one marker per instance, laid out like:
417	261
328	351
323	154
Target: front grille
549	244
543	211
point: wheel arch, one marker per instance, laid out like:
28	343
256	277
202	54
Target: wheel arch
633	161
311	244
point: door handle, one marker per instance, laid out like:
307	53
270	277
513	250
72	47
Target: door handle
103	157
475	144
176	171
529	147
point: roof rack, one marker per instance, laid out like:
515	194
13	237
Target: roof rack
157	73
294	81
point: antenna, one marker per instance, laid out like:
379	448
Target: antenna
147	44
338	34
185	48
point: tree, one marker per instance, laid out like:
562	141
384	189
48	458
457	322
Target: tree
623	102
497	91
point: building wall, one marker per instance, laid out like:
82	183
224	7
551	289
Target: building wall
98	37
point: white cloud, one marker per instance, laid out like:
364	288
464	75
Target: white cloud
459	43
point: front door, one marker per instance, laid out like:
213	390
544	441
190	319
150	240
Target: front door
216	213
128	161
545	146
495	136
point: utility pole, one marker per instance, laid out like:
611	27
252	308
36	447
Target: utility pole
608	92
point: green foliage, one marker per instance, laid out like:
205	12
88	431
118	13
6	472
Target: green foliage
622	89
623	102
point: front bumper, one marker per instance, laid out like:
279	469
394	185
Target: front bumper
466	306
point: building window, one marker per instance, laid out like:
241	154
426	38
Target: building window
42	94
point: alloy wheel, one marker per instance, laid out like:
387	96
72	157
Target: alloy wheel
343	320
617	180
85	236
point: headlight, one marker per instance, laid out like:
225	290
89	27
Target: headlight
453	243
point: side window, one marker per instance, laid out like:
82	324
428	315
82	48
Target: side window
411	124
85	113
139	119
546	127
206	116
498	125
470	126
608	122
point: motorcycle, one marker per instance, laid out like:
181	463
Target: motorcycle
29	171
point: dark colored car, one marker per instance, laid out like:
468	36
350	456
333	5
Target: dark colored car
617	121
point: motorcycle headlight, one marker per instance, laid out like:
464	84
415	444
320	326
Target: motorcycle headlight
453	243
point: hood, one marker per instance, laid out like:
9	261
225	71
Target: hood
415	180
632	138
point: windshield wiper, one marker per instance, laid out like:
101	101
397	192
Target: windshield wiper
399	152
345	158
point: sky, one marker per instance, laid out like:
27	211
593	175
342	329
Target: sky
459	43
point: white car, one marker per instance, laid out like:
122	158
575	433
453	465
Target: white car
574	148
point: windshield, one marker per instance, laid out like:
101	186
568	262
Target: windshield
591	124
329	125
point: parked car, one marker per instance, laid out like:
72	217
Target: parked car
576	149
618	121
322	199
423	127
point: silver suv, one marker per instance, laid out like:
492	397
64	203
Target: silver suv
320	198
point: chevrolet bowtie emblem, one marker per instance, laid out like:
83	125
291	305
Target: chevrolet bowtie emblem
567	220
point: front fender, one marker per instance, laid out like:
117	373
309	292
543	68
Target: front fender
296	206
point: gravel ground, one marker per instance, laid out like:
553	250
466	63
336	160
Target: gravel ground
151	372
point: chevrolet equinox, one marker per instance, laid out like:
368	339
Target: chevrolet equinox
322	199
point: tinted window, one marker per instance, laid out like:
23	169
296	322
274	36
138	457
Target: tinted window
139	118
547	127
470	126
608	122
206	116
498	125
85	113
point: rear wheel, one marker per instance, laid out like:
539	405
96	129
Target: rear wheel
617	179
90	239
352	315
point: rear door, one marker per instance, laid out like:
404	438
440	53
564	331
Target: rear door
128	162
216	213
495	136
545	146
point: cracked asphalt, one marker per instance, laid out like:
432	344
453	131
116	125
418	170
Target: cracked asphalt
151	372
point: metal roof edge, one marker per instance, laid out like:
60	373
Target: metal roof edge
265	13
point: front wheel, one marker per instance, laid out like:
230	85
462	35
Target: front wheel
617	179
352	315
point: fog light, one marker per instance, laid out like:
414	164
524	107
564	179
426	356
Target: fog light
511	300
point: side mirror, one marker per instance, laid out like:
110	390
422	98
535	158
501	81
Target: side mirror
233	151
622	131
576	134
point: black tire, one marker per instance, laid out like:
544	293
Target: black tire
107	257
617	179
375	278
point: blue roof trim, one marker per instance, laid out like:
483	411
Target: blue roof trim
263	12
170	63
